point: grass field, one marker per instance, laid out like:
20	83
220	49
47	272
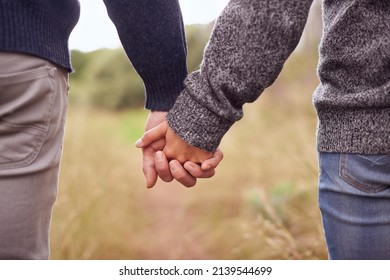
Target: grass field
261	204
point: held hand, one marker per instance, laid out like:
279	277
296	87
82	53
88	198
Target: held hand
175	147
149	152
186	174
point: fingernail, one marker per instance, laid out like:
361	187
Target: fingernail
174	165
189	166
159	156
138	144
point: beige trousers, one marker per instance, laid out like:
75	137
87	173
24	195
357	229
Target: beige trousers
33	104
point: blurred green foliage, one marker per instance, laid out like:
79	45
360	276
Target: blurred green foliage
105	78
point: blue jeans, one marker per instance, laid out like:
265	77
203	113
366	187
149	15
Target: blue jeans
354	199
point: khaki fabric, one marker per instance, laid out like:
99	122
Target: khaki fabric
33	104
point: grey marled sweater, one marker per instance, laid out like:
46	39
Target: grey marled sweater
251	41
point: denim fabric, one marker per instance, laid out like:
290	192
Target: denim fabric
354	199
33	103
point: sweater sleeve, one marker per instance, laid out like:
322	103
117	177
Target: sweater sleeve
152	34
249	44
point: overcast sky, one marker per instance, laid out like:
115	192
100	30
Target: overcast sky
95	30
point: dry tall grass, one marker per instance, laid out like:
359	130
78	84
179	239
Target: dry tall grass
262	203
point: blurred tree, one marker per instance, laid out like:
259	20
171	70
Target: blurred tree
105	78
115	84
197	37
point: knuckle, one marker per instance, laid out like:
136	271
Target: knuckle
181	159
168	153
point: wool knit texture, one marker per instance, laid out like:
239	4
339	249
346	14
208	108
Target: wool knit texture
151	32
249	44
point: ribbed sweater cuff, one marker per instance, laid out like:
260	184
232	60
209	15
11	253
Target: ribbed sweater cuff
197	125
163	86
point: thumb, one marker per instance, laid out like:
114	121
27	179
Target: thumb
212	162
152	135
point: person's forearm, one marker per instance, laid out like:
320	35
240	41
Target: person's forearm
250	42
152	35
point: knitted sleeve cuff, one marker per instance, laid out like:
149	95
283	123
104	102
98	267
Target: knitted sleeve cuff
197	125
162	86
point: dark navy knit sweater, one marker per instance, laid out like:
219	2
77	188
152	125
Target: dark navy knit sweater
151	33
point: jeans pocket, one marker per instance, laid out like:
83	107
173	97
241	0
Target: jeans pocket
368	173
26	105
